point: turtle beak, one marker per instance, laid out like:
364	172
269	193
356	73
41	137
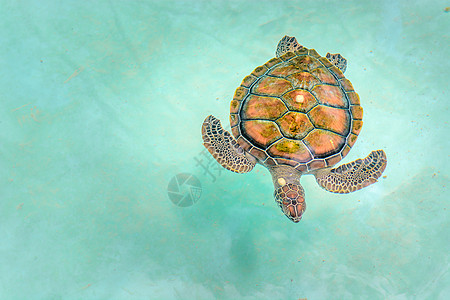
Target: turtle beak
294	209
295	212
291	199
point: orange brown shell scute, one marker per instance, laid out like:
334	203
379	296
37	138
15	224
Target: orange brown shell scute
296	110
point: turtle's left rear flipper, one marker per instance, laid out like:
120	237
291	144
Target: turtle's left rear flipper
287	44
354	175
224	148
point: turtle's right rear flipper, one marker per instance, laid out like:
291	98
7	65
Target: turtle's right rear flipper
338	60
354	175
224	148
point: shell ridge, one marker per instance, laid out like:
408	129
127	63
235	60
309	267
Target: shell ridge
285	113
271	144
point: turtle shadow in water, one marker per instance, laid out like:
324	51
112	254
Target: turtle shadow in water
417	200
243	252
409	227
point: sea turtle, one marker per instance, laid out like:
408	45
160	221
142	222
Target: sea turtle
296	114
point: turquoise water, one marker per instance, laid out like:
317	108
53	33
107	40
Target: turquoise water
102	106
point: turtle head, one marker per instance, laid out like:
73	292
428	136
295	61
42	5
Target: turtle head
290	198
289	194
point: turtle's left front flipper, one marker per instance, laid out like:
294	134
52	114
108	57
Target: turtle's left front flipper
224	148
354	175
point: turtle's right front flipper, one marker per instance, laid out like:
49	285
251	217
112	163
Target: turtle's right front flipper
353	176
224	148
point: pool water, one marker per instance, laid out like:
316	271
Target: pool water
108	193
